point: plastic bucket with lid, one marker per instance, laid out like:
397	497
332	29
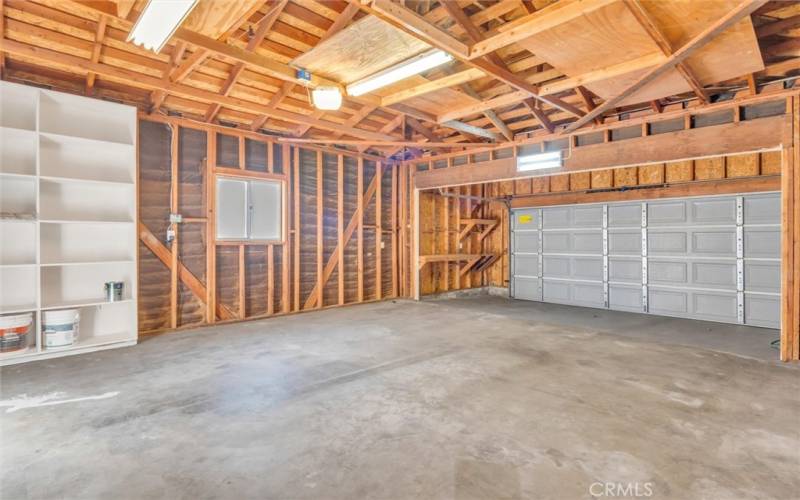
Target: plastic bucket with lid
14	331
60	328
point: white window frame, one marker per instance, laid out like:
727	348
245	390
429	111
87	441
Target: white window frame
249	209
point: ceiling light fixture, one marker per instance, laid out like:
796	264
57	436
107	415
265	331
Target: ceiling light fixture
539	161
158	21
326	98
401	71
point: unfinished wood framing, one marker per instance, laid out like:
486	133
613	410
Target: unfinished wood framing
234	280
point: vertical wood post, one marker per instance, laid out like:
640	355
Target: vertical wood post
287	241
394	230
340	225
173	208
320	233
378	230
296	235
211	228
360	231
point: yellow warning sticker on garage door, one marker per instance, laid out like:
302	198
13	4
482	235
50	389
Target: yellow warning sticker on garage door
525	218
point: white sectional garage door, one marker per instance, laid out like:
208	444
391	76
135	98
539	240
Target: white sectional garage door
713	258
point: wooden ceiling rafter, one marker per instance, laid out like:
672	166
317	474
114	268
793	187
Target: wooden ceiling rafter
420	27
47	55
474	34
99	35
263	27
744	8
202	66
646	21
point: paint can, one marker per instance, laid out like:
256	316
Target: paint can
14	331
60	328
114	291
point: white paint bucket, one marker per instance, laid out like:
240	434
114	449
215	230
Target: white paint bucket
14	331
60	328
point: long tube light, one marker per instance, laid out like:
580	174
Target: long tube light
400	71
158	21
539	161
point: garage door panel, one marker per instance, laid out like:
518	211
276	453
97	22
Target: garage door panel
667	242
526	265
556	291
624	270
587	268
626	215
559	217
762	310
587	216
526	241
714	274
762	276
714	306
625	242
762	208
668	302
556	242
668	272
527	288
667	213
588	294
525	219
714	242
762	242
625	298
714	211
554	266
588	242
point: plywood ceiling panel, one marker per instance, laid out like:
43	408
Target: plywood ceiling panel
214	17
612	35
365	47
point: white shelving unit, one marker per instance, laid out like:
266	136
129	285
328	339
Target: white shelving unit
67	215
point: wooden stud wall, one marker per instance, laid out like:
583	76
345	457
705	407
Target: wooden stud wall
195	280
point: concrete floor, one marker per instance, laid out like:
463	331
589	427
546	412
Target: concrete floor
466	398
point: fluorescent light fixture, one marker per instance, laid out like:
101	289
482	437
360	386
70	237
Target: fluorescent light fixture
158	21
400	71
539	161
327	98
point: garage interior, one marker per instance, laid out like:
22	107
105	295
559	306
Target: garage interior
400	249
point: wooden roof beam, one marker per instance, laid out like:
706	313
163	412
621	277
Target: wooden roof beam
264	26
646	21
99	35
416	25
217	48
409	21
475	35
433	85
744	8
540	115
541	20
153	83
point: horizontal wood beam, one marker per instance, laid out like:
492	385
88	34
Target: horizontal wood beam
416	25
677	190
152	83
409	144
541	20
731	138
433	85
562	85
